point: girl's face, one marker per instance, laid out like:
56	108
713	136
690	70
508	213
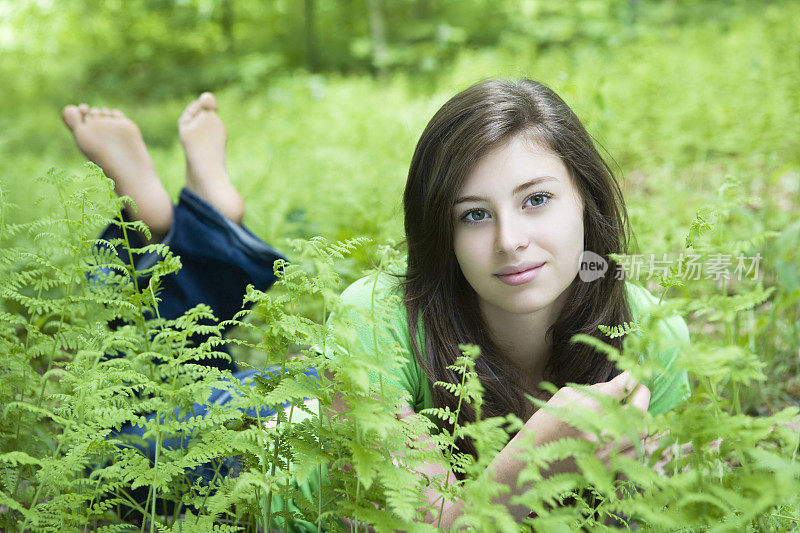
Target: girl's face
518	234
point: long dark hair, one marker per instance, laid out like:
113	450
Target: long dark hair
438	297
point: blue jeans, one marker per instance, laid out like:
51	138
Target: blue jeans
229	466
219	260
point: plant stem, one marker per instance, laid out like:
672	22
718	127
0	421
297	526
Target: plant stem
319	413
153	490
452	446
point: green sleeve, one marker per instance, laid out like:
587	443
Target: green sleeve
669	388
373	306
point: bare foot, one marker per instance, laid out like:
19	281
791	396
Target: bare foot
112	141
204	137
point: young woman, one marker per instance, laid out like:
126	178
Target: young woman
505	192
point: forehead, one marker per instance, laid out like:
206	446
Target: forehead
513	162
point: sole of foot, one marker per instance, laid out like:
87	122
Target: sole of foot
113	142
204	138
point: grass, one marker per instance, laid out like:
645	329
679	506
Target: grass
677	110
680	110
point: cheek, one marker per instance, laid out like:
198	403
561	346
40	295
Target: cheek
459	249
578	236
565	236
469	251
572	236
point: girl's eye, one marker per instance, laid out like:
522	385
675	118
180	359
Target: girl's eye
538	199
475	215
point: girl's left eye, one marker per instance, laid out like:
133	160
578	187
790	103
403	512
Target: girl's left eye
538	199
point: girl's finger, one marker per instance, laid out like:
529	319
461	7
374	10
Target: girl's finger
623	448
630	452
405	411
631	383
621	385
640	398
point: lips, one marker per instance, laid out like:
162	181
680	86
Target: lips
519	274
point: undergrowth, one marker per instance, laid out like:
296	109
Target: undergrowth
85	356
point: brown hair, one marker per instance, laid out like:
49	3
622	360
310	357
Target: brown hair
436	294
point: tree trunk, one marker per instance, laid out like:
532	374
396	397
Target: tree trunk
227	20
634	10
377	27
311	36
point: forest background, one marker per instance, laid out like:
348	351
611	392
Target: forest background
697	103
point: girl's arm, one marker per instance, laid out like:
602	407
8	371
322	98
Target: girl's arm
506	467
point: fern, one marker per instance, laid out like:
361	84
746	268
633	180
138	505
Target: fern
64	466
612	332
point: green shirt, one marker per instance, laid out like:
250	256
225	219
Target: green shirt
667	389
360	302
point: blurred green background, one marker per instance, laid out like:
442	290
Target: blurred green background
324	101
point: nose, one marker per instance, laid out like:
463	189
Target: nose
510	235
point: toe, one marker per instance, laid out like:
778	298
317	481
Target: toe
72	116
94	112
207	101
116	113
83	108
189	113
193	108
106	112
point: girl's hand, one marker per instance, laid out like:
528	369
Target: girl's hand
624	388
508	464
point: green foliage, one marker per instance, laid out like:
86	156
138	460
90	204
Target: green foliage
65	467
612	332
143	45
715	97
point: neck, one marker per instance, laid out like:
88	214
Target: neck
522	340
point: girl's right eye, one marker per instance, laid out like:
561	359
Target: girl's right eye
475	215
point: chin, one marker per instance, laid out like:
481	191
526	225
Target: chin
524	306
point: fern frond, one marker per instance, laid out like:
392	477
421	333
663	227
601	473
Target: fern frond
620	330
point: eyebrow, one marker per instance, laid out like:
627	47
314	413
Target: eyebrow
519	188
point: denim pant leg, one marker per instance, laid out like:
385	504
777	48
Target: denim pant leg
219	260
205	472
